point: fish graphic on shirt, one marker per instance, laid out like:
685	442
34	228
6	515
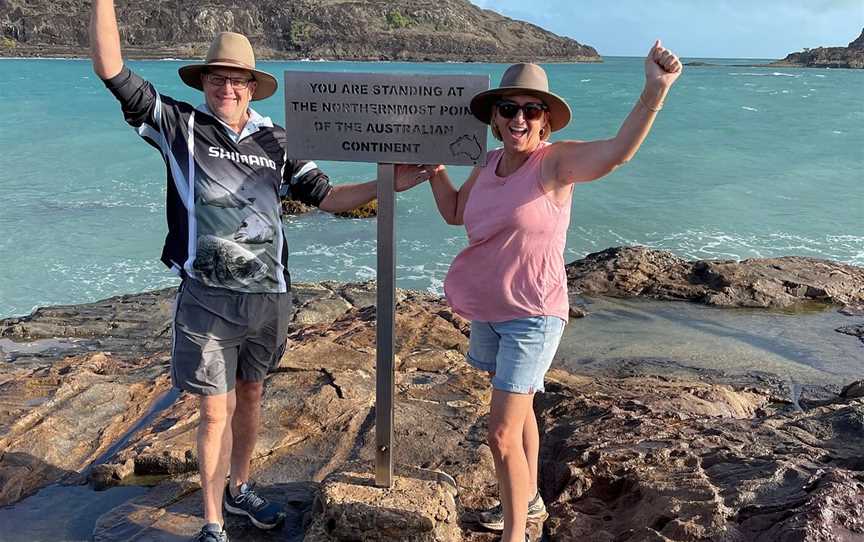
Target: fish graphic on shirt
223	262
255	230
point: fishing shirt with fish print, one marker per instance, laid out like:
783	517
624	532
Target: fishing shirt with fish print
224	189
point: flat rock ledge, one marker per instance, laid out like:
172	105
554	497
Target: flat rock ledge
789	282
636	458
420	507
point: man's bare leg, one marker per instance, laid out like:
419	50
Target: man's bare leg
214	450
244	430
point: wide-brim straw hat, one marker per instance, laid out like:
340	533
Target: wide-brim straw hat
230	50
522	79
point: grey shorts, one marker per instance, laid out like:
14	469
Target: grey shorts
221	335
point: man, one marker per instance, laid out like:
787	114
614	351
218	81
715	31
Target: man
226	170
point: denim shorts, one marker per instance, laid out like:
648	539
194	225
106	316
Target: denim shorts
519	351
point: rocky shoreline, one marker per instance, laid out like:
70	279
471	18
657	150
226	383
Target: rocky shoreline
851	56
642	455
403	30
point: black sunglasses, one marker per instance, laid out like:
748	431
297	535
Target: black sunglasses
531	111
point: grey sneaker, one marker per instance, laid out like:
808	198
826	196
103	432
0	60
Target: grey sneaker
212	532
261	512
493	518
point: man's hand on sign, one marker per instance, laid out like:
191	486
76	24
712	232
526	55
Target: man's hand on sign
409	176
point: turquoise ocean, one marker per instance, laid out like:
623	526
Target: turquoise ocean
743	162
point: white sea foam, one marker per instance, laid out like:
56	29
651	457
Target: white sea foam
365	272
749	108
584	80
436	286
696	244
772	74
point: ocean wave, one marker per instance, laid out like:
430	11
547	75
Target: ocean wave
83	281
696	244
772	74
749	108
718	244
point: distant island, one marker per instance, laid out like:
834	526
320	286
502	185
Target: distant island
851	56
409	30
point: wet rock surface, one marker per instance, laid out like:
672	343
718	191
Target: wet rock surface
658	459
56	420
647	452
367	210
777	283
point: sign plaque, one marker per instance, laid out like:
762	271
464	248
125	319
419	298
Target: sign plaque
384	118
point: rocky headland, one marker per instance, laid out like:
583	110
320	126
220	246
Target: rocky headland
638	456
851	56
409	30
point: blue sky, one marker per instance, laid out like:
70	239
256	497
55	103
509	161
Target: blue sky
694	28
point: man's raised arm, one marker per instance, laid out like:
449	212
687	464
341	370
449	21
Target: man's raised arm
105	40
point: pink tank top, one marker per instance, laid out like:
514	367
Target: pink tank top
513	266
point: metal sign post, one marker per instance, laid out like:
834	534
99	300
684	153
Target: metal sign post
385	119
385	372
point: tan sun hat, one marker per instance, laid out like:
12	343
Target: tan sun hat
527	79
230	50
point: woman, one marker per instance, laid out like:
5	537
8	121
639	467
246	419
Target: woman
510	280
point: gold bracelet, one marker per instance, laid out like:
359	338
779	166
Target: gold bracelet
648	107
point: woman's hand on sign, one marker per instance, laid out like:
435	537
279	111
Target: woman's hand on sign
409	176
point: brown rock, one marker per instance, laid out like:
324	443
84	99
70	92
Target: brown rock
83	413
420	507
855	331
577	311
637	458
294	207
360	30
110	474
851	56
853	390
367	210
789	282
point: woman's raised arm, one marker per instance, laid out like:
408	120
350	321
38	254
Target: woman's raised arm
581	161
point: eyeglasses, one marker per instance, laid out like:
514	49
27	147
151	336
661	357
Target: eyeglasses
531	111
237	83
